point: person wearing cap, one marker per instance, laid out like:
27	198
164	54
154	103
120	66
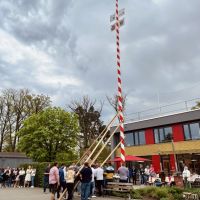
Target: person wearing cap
70	176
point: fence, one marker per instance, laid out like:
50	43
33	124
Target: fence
162	110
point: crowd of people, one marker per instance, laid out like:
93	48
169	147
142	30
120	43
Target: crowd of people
88	180
17	177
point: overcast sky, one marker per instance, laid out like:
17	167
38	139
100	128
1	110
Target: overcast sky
65	49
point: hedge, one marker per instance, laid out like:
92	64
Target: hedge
161	193
40	169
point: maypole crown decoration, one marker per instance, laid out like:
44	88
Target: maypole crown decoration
116	26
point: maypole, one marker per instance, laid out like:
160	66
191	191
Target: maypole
116	26
120	98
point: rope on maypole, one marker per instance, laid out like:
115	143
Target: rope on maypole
120	98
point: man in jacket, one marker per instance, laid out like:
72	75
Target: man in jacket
86	177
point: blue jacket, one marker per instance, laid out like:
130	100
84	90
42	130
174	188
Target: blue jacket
61	175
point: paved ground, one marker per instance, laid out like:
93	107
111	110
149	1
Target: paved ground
32	194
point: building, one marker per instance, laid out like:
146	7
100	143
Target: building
13	159
170	142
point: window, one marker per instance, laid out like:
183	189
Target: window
168	133
135	138
194	128
129	139
191	131
142	137
162	134
156	136
186	132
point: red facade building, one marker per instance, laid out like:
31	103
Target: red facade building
170	142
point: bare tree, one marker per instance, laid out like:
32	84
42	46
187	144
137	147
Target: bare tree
17	106
5	112
113	101
89	120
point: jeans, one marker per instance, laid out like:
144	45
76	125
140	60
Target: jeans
32	181
92	188
85	190
46	183
142	181
146	178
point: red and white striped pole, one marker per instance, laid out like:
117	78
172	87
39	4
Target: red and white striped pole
120	98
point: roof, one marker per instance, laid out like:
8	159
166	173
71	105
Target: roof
182	117
12	155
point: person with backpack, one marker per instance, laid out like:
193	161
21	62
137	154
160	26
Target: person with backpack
62	180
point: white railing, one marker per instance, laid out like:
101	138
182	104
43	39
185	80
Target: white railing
173	108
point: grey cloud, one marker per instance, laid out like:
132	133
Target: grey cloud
159	48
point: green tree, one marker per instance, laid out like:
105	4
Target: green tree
49	133
197	106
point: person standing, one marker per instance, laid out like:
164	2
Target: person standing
152	171
99	179
16	185
22	174
46	178
92	186
8	176
54	180
62	180
109	173
134	175
141	171
130	176
123	173
146	174
28	177
186	176
85	177
70	176
33	173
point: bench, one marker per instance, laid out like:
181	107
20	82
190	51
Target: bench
118	187
190	196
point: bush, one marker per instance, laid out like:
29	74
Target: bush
135	194
163	193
